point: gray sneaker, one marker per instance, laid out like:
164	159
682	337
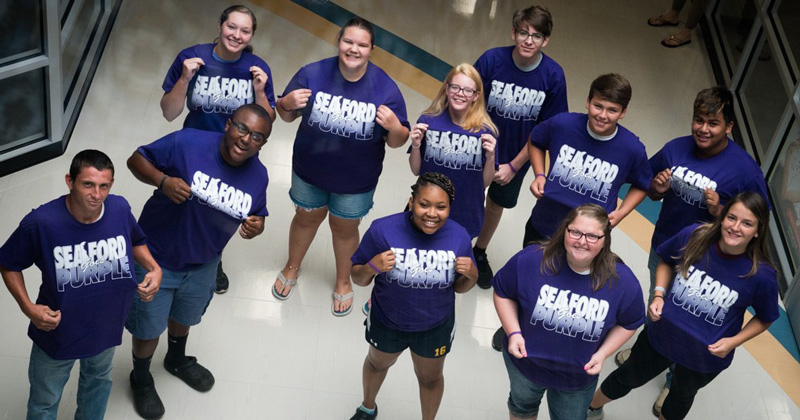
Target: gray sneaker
622	356
592	414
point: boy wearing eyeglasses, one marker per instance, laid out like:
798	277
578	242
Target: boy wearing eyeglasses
523	88
209	186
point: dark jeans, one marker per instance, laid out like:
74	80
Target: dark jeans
644	364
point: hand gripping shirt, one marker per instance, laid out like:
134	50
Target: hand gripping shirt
417	294
87	274
709	304
563	321
194	232
583	169
458	153
518	100
218	88
730	172
339	146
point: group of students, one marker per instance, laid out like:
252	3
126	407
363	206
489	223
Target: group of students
566	302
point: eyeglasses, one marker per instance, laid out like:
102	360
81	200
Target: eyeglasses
455	89
590	237
523	36
257	137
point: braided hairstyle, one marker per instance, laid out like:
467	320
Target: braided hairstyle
435	178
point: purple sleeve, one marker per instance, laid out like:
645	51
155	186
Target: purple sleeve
161	153
540	135
398	105
757	185
631	309
174	72
22	248
137	234
658	162
556	101
765	299
482	66
299	81
506	280
369	247
640	174
269	89
671	250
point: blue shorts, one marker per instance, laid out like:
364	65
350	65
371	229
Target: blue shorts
183	298
343	206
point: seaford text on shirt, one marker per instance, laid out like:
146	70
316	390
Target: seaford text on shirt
453	150
217	194
701	295
569	313
514	102
87	263
342	116
690	185
584	173
217	94
422	269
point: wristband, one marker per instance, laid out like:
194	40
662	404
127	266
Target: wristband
659	296
515	332
513	169
539	174
373	267
161	184
660	289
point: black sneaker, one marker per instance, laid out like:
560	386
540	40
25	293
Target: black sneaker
222	280
146	401
497	339
485	272
363	415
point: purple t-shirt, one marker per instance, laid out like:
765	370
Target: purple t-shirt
195	232
730	172
566	321
449	149
583	169
87	274
218	88
339	146
710	304
417	294
518	100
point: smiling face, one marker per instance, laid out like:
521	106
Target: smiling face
528	43
580	252
739	227
430	208
603	115
238	146
458	99
710	133
235	34
355	46
89	190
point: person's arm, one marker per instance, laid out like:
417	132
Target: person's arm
396	132
536	156
664	275
152	280
507	171
260	79
725	345
468	275
660	185
488	144
41	316
173	101
632	199
507	312
712	202
174	188
252	227
363	274
290	107
415	157
613	341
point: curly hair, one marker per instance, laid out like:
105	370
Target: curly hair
435	178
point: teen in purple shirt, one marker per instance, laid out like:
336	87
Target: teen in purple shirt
419	259
455	137
85	244
209	186
523	87
350	111
565	305
707	277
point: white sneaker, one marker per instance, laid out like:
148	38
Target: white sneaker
595	414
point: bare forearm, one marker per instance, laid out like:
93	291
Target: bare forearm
397	137
614	340
632	199
536	156
172	101
507	312
143	257
15	283
144	170
362	275
415	160
287	115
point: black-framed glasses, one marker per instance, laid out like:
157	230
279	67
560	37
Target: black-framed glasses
243	131
590	237
454	89
523	36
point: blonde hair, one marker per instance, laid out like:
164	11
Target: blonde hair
477	118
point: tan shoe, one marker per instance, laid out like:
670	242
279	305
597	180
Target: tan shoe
622	356
660	401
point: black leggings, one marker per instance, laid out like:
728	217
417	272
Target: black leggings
644	364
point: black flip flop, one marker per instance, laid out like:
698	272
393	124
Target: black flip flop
663	22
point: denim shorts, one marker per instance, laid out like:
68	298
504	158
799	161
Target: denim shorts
183	297
343	206
526	396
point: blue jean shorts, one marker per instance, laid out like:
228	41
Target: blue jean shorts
183	297
526	396
343	206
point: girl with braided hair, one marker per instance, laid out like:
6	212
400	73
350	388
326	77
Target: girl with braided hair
419	259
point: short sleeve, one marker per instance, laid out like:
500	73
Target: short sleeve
174	73
670	251
541	134
506	280
640	174
556	100
765	299
162	152
22	248
371	245
299	81
631	309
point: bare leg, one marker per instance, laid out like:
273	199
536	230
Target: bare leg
491	220
431	383
345	242
301	233
599	399
376	365
144	348
177	330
